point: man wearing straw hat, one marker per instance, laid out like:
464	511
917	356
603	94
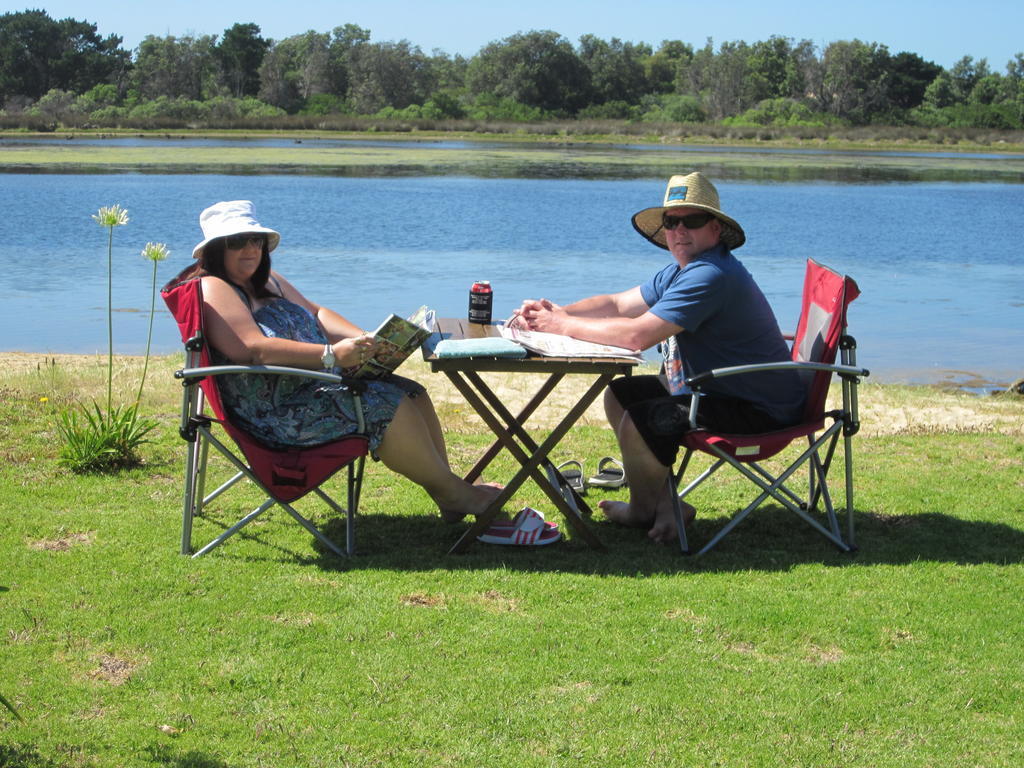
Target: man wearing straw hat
709	313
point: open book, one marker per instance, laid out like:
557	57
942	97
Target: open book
397	338
555	345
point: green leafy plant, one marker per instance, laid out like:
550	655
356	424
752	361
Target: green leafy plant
102	441
98	440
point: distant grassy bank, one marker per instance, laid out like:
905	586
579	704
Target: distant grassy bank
876	138
519	155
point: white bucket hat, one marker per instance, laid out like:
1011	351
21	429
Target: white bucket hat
691	191
234	217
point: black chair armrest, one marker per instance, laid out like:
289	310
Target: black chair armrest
189	375
695	382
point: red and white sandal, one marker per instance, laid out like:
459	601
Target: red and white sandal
526	529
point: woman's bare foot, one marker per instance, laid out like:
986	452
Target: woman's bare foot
621	513
478	498
664	528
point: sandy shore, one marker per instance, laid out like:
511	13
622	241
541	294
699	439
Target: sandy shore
885	409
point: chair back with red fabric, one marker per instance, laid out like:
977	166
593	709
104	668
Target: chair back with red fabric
287	473
183	296
822	324
819	337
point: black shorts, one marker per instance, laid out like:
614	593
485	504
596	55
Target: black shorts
662	419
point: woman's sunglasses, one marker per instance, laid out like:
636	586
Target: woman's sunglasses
690	221
238	242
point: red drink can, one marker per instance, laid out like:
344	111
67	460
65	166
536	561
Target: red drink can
481	298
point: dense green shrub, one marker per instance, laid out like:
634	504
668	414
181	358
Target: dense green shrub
1004	116
178	109
54	104
324	104
610	110
109	116
489	107
444	105
673	108
781	111
225	107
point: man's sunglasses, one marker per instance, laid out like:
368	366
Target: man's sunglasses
690	221
238	242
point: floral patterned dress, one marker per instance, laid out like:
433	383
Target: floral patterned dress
289	411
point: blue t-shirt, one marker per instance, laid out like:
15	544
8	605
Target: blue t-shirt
726	321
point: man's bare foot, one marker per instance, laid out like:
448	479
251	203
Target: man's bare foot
620	512
479	498
664	528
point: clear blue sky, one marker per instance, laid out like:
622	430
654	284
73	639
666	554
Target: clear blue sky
941	31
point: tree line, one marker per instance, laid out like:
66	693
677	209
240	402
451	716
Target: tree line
64	72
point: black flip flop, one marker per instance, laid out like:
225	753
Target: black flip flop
610	474
572	472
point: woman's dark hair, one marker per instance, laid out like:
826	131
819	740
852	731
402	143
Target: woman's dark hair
212	261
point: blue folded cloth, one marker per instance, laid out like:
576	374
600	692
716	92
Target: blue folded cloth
492	346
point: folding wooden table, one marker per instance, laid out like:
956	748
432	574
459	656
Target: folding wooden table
510	430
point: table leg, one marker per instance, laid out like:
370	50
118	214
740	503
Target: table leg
528	409
483	520
517	426
569	497
530	462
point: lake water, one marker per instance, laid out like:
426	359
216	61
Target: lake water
939	264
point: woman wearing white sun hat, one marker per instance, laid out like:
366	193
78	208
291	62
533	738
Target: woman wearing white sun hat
253	315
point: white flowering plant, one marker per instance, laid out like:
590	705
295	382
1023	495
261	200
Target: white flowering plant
103	440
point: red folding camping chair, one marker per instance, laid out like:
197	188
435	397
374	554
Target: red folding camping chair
820	334
285	475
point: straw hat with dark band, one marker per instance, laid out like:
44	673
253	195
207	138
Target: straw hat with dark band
691	191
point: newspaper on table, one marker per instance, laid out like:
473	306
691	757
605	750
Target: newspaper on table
556	345
397	338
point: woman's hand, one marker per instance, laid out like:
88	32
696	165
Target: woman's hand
354	351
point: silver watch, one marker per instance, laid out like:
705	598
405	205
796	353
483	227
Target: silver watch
327	358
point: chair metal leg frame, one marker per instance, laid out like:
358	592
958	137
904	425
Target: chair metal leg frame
355	484
851	425
817	485
677	496
195	481
235	528
819	472
793	495
677	512
244	471
848	456
188	503
775	488
223	487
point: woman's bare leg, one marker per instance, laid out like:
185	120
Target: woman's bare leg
426	408
408	448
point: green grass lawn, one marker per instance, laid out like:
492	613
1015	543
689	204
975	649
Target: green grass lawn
772	650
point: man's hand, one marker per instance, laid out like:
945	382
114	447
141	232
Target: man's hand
544	315
521	317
